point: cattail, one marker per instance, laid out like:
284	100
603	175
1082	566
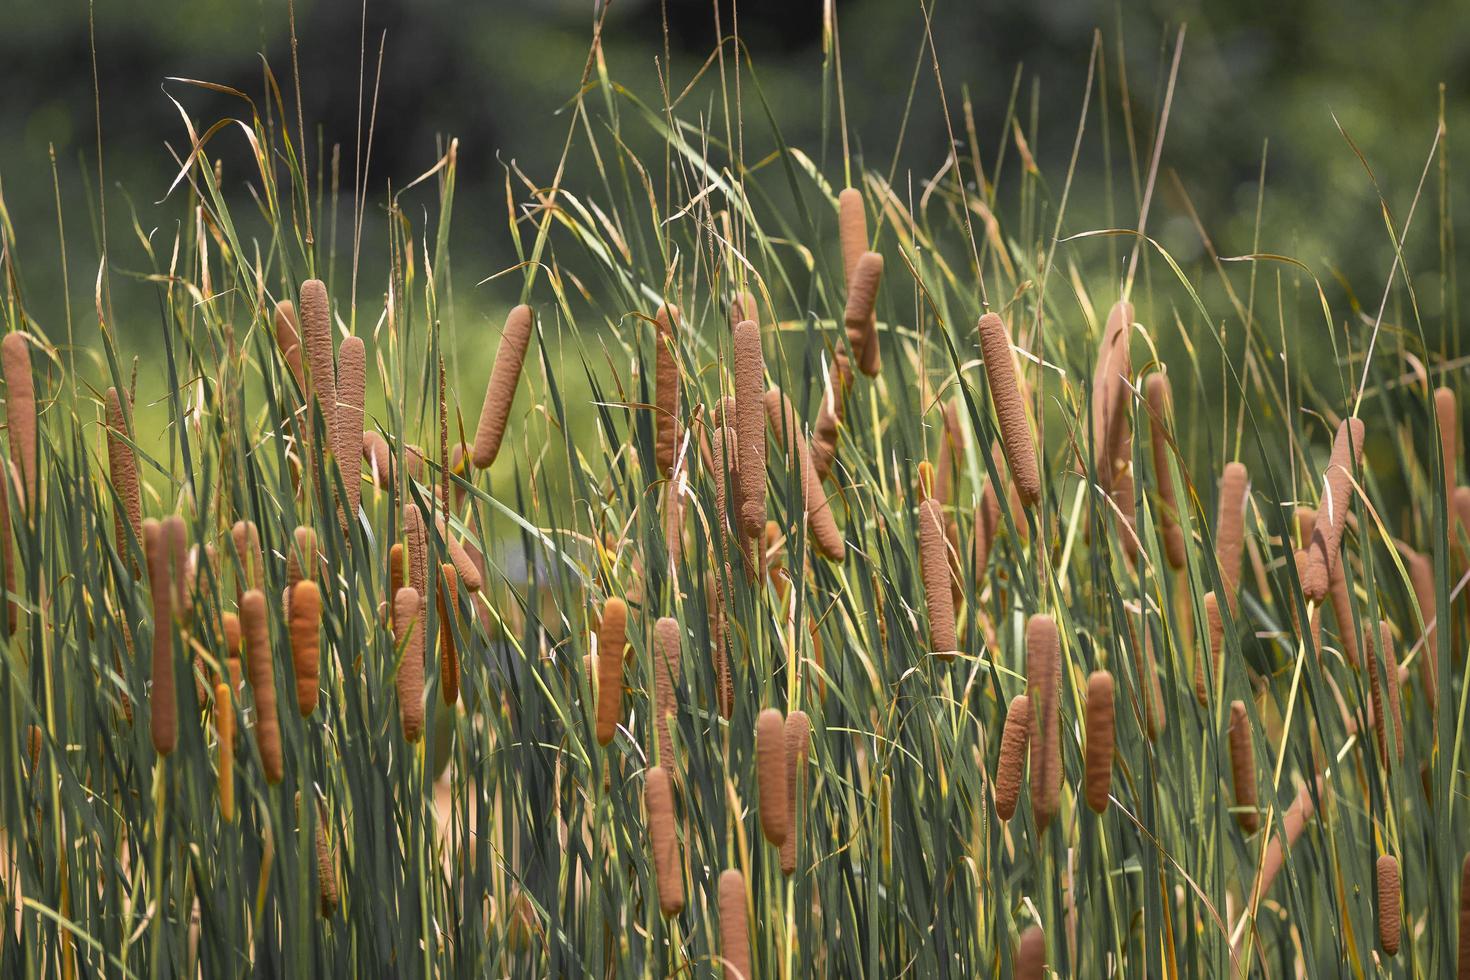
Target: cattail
1209	654
316	328
288	341
750	428
1099	760
667	667
250	556
1110	395
1461	517
798	734
987	527
1322	550
1462	971
734	934
378	456
122	467
1122	495
723	449
1447	416
1031	955
1230	530
1293	822
1390	915
464	565
351	406
224	737
326	868
829	418
408	632
1159	398
1010	407
862	295
1243	768
1008	769
782	417
7	560
951	455
724	686
416	549
20	410
668	868
501	390
1383	647
934	564
1421	580
852	230
448	603
164	724
303	557
1043	682
666	386
770	762
305	622
611	637
262	683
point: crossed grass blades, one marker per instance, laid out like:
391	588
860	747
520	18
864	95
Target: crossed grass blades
837	515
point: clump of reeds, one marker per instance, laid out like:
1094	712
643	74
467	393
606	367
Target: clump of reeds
305	622
224	737
1011	765
750	430
500	391
20	411
408	633
770	771
798	735
1230	530
667	667
1322	550
1390	915
1031	955
1043	683
1098	773
256	630
1010	408
734	933
666	386
1159	397
668	869
1243	768
784	423
611	637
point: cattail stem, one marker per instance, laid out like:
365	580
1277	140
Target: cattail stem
934	565
1390	913
1012	763
501	389
1043	681
1099	759
305	622
1230	530
1243	768
750	428
667	667
611	638
734	933
770	756
1322	550
1010	408
254	625
667	865
666	387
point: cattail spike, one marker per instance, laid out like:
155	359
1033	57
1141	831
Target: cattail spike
862	296
1009	769
305	621
852	230
316	328
448	603
934	565
782	417
1099	760
1293	822
750	427
464	565
1044	681
1159	398
1381	654
667	865
1209	654
734	933
164	716
224	738
667	667
770	756
611	638
1010	408
1230	530
288	341
20	411
1031	955
798	733
1390	915
666	387
351	409
408	632
254	625
326	868
1447	417
122	467
1322	550
1110	395
501	389
1243	768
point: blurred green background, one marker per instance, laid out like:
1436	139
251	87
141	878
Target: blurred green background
1255	75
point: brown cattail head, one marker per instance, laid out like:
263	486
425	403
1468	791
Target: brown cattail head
288	341
351	408
254	625
1293	822
1031	955
1342	610
1043	684
1462	958
862	297
1110	395
1209	653
416	549
224	737
249	554
1447	416
667	866
448	604
666	387
1390	914
787	428
408	632
951	455
1099	759
305	621
750	427
1012	762
1382	657
798	743
667	667
852	230
302	556
7	560
1230	530
734	934
770	761
611	637
122	467
501	389
1159	398
164	722
377	455
20	411
1010	408
464	565
316	328
934	565
726	470
1243	768
1421	580
1322	550
326	868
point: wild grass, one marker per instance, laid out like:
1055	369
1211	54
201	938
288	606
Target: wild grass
503	812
